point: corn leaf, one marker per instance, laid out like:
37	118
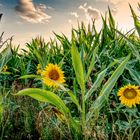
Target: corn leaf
104	94
78	67
5	56
45	96
96	84
136	21
74	99
111	19
133	48
92	63
29	76
134	74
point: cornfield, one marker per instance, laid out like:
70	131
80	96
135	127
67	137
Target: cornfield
81	88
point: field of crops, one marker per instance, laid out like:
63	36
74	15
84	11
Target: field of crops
83	88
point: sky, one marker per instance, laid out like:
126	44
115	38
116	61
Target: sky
27	19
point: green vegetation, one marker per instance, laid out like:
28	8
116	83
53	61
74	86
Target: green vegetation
86	107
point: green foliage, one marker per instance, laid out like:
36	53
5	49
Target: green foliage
95	63
107	88
46	96
135	18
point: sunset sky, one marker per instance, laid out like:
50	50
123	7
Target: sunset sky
26	19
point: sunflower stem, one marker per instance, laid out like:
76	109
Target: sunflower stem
130	136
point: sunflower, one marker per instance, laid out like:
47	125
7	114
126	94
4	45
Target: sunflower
5	68
53	75
129	95
38	69
38	66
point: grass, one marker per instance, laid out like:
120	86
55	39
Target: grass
95	63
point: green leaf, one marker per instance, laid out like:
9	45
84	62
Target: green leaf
107	88
133	48
111	19
92	63
30	76
45	96
134	74
96	84
5	72
78	67
136	21
74	99
50	97
5	56
123	125
1	108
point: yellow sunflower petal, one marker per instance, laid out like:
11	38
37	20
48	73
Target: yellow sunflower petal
38	66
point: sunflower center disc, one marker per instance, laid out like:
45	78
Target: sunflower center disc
53	75
130	93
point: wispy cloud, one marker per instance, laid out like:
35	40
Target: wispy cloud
32	13
74	14
113	4
70	21
93	13
111	1
90	12
114	11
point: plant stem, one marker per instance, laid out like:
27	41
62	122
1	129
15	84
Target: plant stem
83	110
130	137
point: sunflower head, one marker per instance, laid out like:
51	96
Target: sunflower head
53	75
129	95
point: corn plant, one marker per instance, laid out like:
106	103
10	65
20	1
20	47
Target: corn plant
96	64
85	117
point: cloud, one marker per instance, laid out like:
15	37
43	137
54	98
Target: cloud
70	21
110	1
74	14
90	12
113	4
32	13
114	11
93	13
